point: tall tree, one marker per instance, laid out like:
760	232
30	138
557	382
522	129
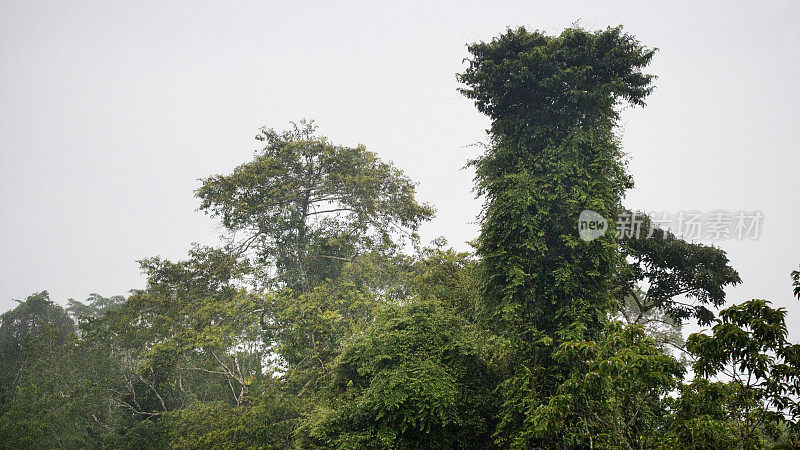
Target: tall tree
326	225
307	206
553	103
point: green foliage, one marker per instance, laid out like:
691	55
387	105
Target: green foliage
264	423
748	346
535	86
454	278
416	378
63	395
552	101
675	272
615	397
192	333
308	330
94	307
312	327
307	205
22	325
702	417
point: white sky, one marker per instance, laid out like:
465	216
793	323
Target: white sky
110	112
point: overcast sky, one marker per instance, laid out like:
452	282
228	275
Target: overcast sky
110	112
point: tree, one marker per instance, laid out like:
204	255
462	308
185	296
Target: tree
307	206
667	280
24	323
308	330
748	346
553	103
318	329
93	307
416	378
638	309
615	398
191	334
683	279
265	423
552	100
325	224
453	278
701	416
63	394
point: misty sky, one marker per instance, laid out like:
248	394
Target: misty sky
110	112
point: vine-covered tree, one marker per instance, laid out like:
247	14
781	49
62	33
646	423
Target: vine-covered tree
553	103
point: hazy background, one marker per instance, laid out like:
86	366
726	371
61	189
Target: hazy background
110	112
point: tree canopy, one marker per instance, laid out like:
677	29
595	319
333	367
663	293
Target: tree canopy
306	205
322	321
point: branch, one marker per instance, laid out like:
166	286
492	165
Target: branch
330	211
